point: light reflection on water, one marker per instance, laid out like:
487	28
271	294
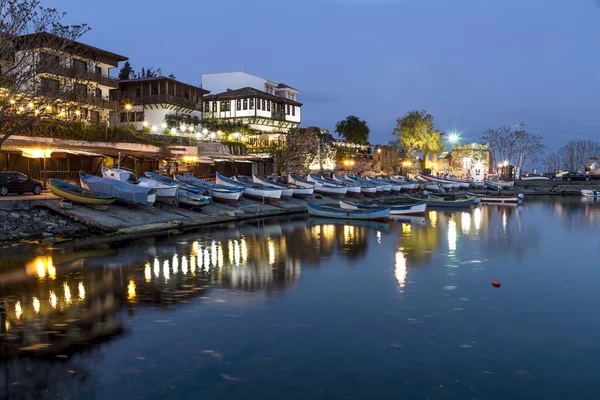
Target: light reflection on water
327	277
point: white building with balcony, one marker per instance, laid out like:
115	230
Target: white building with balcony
263	105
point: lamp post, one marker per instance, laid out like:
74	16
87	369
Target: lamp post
128	109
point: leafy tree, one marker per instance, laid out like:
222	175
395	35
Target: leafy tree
416	134
146	73
125	71
23	102
354	130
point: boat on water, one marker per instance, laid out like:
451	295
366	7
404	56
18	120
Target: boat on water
495	183
219	193
78	195
252	190
408	209
590	193
165	193
373	214
379	186
352	189
286	192
124	192
499	198
366	189
433	201
296	190
323	187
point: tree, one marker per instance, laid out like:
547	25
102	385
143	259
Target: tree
573	155
353	129
147	73
515	146
416	134
126	71
26	27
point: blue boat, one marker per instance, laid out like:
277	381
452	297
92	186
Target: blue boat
260	192
493	186
192	199
373	214
172	182
222	194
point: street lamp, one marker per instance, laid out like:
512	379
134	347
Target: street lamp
506	163
453	138
128	109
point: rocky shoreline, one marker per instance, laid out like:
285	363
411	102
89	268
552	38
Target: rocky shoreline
39	223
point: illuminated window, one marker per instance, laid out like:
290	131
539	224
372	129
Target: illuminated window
467	163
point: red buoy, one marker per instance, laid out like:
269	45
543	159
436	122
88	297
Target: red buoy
496	283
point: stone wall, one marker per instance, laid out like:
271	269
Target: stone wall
38	223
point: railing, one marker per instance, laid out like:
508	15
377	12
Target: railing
78	73
44	176
167	99
83	98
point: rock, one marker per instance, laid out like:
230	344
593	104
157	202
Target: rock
23	235
49	228
15	215
46	235
62	222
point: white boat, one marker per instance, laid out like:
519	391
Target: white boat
590	193
495	181
303	183
286	191
251	190
365	189
395	187
327	188
164	193
535	178
380	186
461	182
485	198
352	189
444	183
123	192
221	194
408	209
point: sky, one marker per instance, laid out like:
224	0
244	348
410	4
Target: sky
472	64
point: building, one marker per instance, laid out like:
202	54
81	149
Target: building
470	159
161	105
269	109
74	72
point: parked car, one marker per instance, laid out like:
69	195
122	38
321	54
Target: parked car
16	182
549	175
575	176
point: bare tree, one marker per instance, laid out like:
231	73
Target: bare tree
515	146
552	163
25	28
573	155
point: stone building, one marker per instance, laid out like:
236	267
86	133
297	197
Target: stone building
466	157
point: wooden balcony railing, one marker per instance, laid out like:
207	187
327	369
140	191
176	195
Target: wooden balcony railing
78	73
83	98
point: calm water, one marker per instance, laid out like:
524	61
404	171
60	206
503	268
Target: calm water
310	309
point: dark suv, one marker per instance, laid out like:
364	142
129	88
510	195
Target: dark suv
16	182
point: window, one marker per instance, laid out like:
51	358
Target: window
49	60
258	104
22	177
80	89
252	104
98	70
84	113
138	92
49	86
225	106
268	106
238	105
95	116
154	90
214	106
287	111
98	92
294	111
467	163
263	105
245	104
186	95
79	65
207	106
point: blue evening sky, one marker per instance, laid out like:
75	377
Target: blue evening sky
473	64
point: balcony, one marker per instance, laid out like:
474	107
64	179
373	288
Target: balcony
278	115
167	99
78	73
82	98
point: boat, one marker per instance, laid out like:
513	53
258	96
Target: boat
407	209
380	187
297	190
286	192
192	199
433	201
253	190
219	193
590	193
303	183
352	189
494	183
406	184
463	183
499	198
322	187
81	196
373	214
366	189
165	193
535	178
441	182
396	187
124	192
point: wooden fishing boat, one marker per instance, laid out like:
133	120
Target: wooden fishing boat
286	192
590	193
494	183
124	192
326	188
374	214
365	188
81	196
432	201
499	198
303	183
351	189
296	190
408	209
165	193
442	182
395	187
379	187
255	191
406	184
219	193
191	199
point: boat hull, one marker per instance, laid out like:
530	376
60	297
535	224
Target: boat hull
378	214
294	180
590	193
123	195
94	202
409	209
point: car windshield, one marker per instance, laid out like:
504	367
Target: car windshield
22	177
